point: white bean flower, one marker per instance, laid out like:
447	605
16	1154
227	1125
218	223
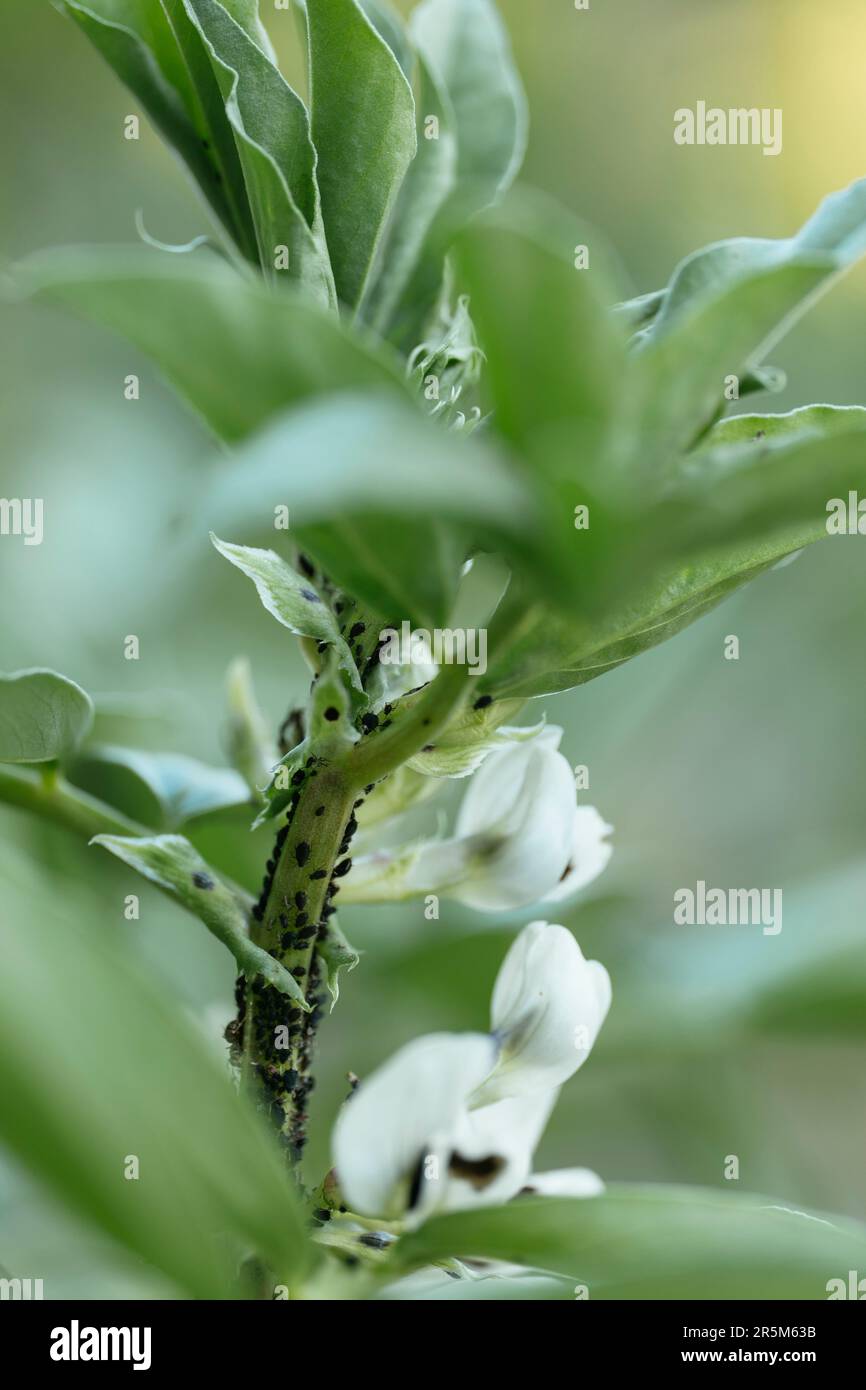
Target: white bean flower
520	838
453	1120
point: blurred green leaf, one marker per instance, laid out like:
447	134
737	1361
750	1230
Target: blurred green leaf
410	269
537	652
252	750
755	492
467	47
205	325
164	790
292	600
272	131
106	1069
363	121
555	381
725	309
363	477
821	421
43	716
555	377
654	1243
178	869
798	981
155	52
769	496
469	84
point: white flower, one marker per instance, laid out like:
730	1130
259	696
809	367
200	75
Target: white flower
548	1006
452	1120
520	838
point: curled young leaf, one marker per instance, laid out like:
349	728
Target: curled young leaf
337	955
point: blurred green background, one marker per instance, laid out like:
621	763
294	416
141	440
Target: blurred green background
746	774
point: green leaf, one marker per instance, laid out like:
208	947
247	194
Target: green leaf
756	491
726	308
467	80
98	1065
555	381
337	955
164	790
654	1243
178	869
537	652
153	49
555	377
292	600
410	270
43	716
363	120
390	27
466	46
382	498
206	325
251	748
276	151
820	420
771	493
280	789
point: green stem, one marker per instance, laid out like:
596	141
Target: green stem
418	720
57	800
291	916
304	876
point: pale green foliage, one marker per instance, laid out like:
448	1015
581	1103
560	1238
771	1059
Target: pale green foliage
43	716
376	272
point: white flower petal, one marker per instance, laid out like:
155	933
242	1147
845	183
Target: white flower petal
522	800
405	1113
565	1182
548	1006
491	1156
590	853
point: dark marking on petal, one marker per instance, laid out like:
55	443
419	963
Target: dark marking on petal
478	1172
